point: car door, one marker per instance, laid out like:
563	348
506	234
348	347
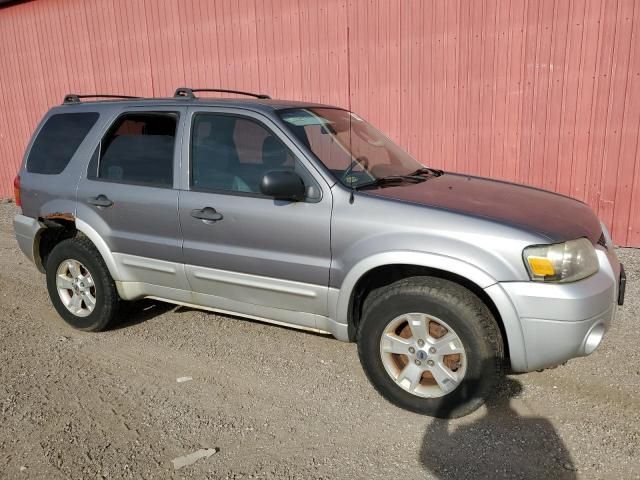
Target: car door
245	252
128	197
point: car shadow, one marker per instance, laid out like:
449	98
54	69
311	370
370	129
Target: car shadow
500	444
139	311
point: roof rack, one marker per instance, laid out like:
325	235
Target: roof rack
75	98
185	92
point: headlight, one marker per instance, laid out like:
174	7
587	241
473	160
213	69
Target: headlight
561	262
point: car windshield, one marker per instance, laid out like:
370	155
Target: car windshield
353	150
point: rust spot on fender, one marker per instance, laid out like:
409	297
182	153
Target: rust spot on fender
60	216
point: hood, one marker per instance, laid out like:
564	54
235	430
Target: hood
555	216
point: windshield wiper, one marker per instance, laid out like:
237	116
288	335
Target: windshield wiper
391	180
427	171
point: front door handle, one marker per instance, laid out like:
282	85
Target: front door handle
207	214
100	201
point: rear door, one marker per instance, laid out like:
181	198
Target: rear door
128	194
254	251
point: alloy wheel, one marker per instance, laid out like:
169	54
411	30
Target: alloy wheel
76	287
423	355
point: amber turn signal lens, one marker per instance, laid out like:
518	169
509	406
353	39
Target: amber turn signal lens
541	266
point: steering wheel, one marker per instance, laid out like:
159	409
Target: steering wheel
362	160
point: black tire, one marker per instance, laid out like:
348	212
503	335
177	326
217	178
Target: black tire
458	307
107	303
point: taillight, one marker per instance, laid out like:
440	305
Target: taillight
16	190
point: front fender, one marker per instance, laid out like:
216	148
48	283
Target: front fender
406	257
479	277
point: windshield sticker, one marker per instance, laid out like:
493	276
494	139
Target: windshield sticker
351	179
302	120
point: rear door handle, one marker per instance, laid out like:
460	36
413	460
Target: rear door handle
100	201
207	214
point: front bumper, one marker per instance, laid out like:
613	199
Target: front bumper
563	321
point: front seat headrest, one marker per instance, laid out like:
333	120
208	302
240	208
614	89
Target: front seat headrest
274	153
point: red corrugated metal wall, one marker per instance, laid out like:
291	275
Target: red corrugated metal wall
545	93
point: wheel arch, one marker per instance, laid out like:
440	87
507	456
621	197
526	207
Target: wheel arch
101	245
55	228
389	267
58	228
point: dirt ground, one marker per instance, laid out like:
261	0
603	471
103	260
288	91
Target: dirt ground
280	403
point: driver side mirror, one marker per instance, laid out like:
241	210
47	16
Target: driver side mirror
283	185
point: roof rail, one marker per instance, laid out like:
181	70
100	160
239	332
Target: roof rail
75	98
186	92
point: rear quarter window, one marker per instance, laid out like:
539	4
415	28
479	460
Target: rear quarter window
58	140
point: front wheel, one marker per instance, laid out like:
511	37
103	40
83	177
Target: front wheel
430	346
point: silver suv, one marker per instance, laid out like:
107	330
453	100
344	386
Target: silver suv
305	215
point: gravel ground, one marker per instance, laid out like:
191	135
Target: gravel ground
279	403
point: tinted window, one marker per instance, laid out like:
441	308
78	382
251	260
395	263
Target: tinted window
232	153
139	149
58	140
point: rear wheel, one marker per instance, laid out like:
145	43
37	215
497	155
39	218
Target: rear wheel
430	346
80	286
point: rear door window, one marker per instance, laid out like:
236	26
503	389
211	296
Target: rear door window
58	140
138	149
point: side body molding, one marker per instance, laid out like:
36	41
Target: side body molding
340	309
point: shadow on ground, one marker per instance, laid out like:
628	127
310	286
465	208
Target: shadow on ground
500	444
133	313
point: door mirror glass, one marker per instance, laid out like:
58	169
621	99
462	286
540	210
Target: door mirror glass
283	185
